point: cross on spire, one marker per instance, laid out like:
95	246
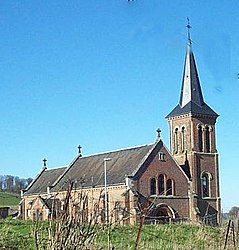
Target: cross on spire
79	149
158	132
191	97
189	36
44	162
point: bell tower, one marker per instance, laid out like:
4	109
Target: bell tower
193	139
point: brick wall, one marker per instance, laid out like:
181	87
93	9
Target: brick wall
168	167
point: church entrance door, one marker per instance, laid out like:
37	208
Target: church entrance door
162	213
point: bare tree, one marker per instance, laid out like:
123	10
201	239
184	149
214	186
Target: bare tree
9	179
234	212
13	184
1	182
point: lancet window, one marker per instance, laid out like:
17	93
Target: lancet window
184	145
205	181
152	186
161	184
176	140
207	137
200	139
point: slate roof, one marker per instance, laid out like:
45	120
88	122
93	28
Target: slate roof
185	167
191	97
191	88
88	171
45	179
192	108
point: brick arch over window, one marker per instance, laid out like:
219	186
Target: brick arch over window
161	186
163	210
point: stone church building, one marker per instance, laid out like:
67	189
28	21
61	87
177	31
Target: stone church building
167	185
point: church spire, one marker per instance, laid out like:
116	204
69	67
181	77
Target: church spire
191	97
191	89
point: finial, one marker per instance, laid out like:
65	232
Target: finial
79	149
158	133
189	27
44	163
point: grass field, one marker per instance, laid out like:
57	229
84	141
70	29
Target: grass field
17	234
9	199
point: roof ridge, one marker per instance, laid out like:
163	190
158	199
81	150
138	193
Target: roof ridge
66	170
146	156
118	150
56	168
34	180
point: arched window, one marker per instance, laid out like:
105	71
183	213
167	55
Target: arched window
176	141
205	180
161	184
200	138
169	186
184	145
152	186
207	137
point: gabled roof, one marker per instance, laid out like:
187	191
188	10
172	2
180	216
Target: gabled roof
39	198
142	166
88	171
45	179
191	97
49	203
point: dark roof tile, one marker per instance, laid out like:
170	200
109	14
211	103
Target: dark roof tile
192	108
89	170
44	180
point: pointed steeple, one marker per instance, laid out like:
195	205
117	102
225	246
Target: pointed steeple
191	89
191	97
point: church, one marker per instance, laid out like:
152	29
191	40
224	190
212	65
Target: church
180	184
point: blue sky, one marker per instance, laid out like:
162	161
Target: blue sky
104	74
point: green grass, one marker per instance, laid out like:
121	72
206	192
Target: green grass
9	199
17	234
174	236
